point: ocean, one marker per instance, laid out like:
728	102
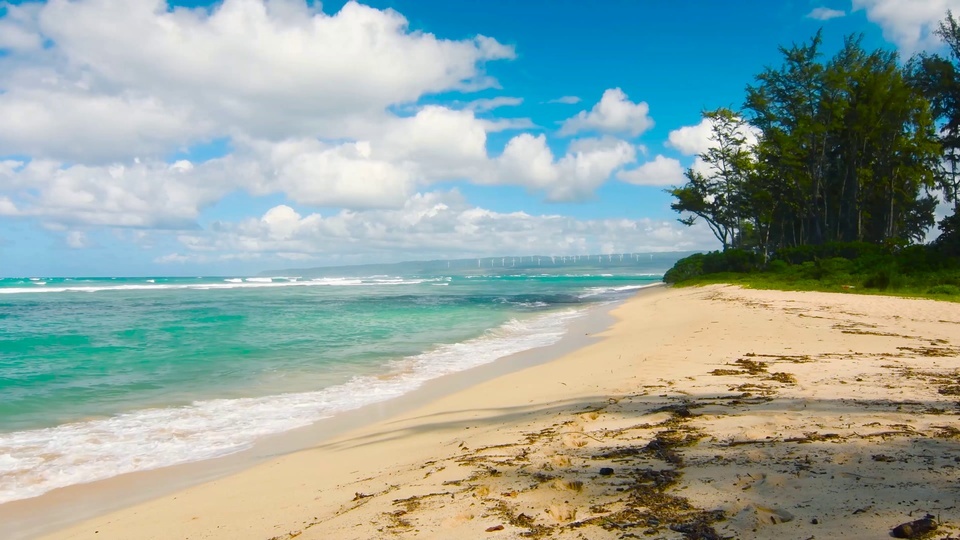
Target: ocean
104	376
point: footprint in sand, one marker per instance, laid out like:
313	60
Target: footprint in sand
754	515
563	484
562	512
589	416
574	440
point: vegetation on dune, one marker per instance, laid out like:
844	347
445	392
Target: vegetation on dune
830	175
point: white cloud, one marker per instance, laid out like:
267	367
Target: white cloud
97	94
406	156
345	175
151	194
139	72
697	139
508	124
615	113
18	29
79	126
444	142
825	14
77	240
439	224
662	171
154	194
527	161
692	140
488	104
908	23
7	208
566	100
133	79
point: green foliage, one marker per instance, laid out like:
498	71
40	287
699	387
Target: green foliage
949	290
810	252
826	174
853	267
717	191
883	278
949	240
778	266
732	260
841	149
714	262
685	269
938	78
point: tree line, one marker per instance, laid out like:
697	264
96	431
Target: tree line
851	148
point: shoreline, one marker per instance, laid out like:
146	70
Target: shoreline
30	518
744	413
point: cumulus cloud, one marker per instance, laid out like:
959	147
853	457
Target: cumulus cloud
825	14
323	109
445	142
697	139
662	171
615	113
147	194
345	175
406	156
77	125
434	224
528	161
908	23
140	72
692	140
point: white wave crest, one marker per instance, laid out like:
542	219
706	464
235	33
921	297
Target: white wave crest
36	461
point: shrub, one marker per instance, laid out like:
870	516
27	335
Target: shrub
914	259
830	250
951	290
905	269
684	269
736	260
778	266
883	278
714	262
832	269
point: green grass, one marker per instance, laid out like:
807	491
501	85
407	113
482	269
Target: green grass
772	282
914	273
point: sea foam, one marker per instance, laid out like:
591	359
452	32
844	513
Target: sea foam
229	283
36	461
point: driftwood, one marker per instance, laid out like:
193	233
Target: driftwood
915	529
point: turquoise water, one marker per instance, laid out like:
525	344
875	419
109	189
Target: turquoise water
102	376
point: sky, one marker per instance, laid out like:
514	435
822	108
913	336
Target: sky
143	137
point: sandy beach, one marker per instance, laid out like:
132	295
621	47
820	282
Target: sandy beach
711	412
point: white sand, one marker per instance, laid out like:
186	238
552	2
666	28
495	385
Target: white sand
832	416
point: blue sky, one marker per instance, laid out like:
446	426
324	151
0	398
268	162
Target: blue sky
138	137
